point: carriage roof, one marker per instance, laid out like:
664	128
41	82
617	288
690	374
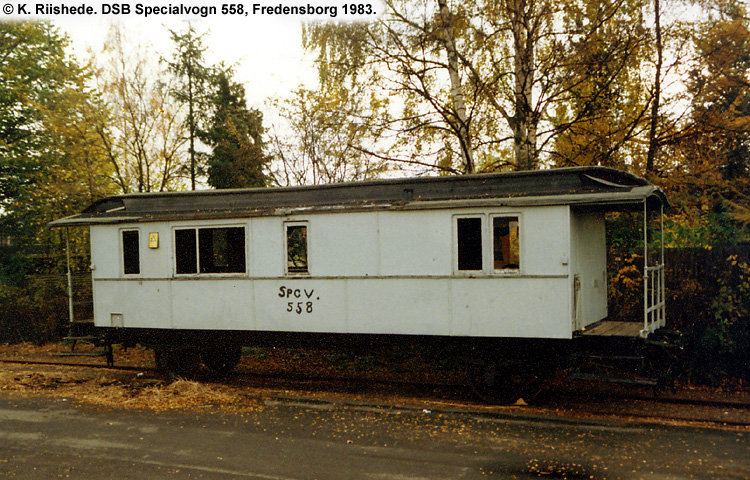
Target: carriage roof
591	187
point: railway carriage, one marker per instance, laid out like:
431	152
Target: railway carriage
511	265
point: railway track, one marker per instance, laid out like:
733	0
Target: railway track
73	364
557	396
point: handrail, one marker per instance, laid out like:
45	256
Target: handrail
654	301
654	296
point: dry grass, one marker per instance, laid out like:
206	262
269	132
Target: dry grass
148	391
178	395
130	393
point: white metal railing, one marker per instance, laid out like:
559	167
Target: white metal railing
653	303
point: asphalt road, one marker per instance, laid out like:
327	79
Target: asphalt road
43	438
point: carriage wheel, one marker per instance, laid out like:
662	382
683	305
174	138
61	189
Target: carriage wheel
177	361
221	358
503	382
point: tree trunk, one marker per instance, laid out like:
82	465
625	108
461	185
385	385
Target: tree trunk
191	121
457	94
652	140
524	123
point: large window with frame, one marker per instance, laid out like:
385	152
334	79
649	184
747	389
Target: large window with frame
499	240
131	252
210	250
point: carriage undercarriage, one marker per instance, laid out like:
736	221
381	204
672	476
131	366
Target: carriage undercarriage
499	371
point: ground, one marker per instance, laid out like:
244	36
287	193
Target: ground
295	439
402	378
33	369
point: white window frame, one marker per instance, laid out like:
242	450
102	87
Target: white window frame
296	223
483	219
197	272
491	236
120	233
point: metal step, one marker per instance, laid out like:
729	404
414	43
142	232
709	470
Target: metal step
83	338
105	352
596	377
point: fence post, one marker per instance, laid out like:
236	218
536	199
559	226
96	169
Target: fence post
70	278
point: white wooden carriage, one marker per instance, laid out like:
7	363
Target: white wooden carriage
509	255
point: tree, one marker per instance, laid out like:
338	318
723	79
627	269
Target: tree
235	135
509	62
601	118
399	56
141	132
656	100
20	51
715	147
326	137
457	94
48	165
33	68
188	65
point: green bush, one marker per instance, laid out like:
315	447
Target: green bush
36	313
708	300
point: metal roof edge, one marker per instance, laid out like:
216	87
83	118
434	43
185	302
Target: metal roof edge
611	201
387	181
637	195
602	186
83	221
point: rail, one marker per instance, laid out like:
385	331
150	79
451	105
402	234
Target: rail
654	304
654	299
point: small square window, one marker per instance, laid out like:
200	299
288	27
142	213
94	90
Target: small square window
131	258
505	243
296	249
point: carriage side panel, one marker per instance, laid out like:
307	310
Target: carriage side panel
386	272
415	243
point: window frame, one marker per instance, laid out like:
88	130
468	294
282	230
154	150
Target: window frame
123	260
456	243
505	271
197	245
286	226
488	244
174	248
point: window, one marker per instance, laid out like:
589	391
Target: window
505	247
186	257
210	250
221	250
296	248
469	236
131	261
